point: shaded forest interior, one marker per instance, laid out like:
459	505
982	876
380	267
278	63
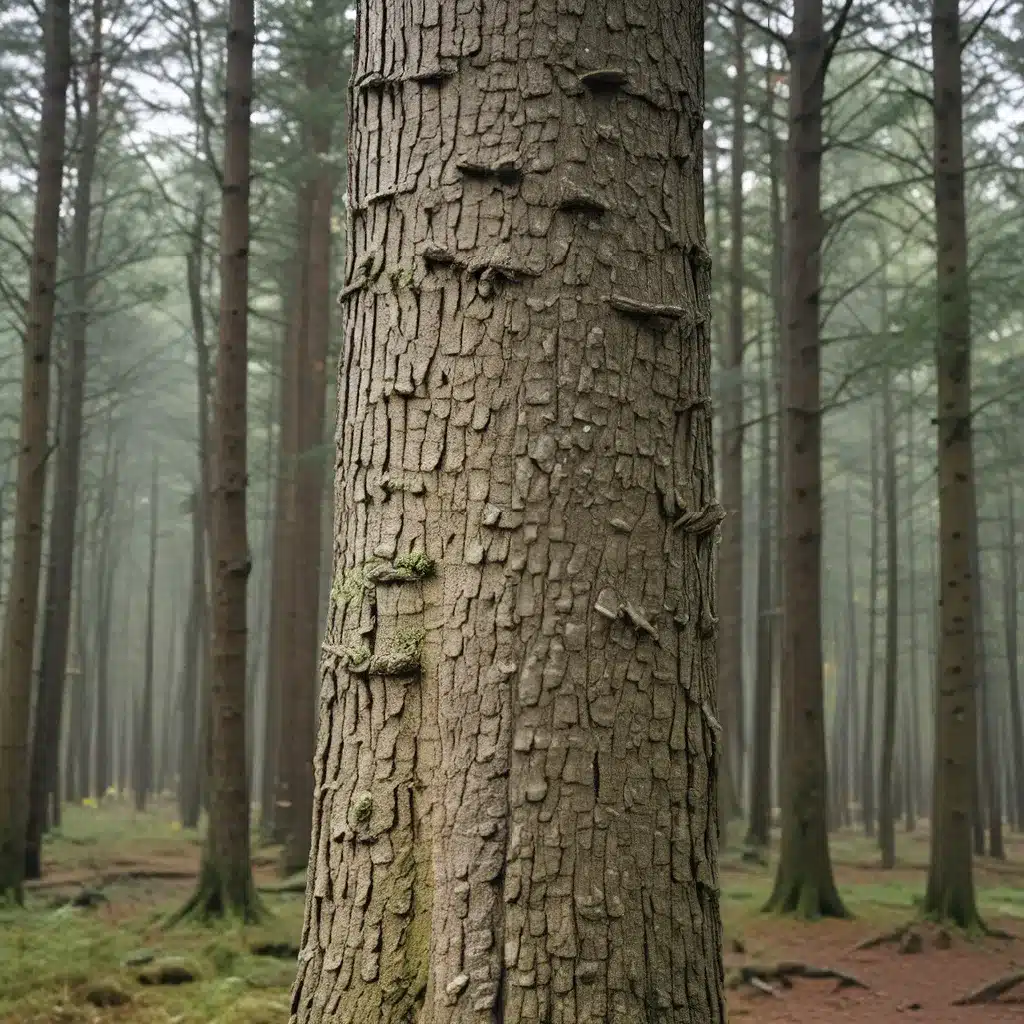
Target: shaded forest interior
438	477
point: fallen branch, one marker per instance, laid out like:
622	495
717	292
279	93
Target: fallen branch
992	991
761	976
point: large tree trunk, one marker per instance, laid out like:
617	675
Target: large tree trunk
803	881
225	885
516	771
33	450
950	892
886	782
730	558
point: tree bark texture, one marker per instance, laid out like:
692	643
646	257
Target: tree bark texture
1011	617
23	593
515	810
225	883
189	770
950	892
868	802
804	881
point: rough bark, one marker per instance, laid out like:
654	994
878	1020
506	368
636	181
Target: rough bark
33	452
730	556
886	782
225	887
950	892
515	813
803	882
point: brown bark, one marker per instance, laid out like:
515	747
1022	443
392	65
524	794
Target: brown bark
804	882
516	770
950	891
886	781
730	556
225	885
23	592
914	678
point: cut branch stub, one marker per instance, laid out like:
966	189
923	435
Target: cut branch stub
576	199
438	256
604	79
701	520
404	569
646	310
505	172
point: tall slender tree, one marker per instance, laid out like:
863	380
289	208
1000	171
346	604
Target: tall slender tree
950	892
23	593
804	881
225	887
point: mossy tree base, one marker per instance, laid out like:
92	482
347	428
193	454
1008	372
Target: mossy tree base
798	894
222	894
12	892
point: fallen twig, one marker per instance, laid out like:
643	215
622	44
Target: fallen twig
992	991
760	976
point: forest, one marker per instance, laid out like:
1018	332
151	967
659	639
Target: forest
510	511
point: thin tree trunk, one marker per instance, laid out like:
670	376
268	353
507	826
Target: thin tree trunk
1011	618
189	770
730	557
33	451
867	771
886	810
225	885
914	710
144	733
63	522
106	564
950	891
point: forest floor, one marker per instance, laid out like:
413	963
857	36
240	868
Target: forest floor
62	964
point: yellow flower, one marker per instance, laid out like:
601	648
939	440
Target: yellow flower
89	802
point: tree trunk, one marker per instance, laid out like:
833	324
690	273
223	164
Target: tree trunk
105	567
1011	618
144	722
189	770
867	771
914	679
225	885
886	811
518	718
758	831
991	807
804	882
950	892
730	557
33	451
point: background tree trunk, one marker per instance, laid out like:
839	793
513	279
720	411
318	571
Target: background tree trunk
950	892
730	557
33	451
886	782
804	881
867	772
518	575
225	884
